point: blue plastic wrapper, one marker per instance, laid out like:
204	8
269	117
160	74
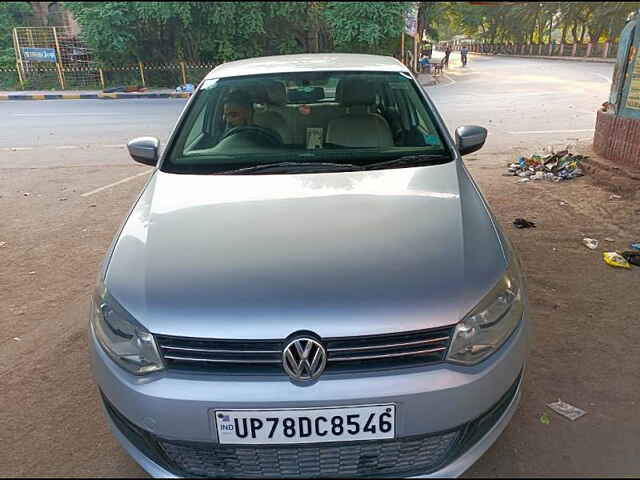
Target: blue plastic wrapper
187	87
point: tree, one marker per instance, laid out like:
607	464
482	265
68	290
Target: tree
537	22
214	31
432	19
12	14
367	27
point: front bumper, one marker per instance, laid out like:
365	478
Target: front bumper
476	402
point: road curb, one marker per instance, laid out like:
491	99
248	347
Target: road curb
93	96
569	59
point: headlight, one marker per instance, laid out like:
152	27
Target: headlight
128	344
490	323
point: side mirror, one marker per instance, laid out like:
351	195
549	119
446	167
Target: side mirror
470	138
144	150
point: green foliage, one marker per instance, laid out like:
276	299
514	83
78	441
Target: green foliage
365	27
12	14
537	22
159	32
208	32
109	28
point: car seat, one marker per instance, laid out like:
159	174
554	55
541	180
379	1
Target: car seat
359	127
274	97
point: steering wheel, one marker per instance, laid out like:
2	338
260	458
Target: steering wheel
272	137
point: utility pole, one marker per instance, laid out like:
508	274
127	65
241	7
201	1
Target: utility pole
416	40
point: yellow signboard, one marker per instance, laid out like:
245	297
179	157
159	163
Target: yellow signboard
633	97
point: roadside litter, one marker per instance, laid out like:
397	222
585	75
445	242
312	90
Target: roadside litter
522	223
566	410
614	197
615	259
187	87
591	243
553	167
632	257
636	246
544	418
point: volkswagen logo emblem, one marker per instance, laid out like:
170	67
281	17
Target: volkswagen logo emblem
304	359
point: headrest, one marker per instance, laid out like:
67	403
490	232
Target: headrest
355	91
266	91
239	97
276	92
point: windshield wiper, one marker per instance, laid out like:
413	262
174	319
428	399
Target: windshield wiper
280	167
407	160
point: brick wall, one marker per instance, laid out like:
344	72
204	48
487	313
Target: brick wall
618	139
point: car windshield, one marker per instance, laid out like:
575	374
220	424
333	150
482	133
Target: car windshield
315	121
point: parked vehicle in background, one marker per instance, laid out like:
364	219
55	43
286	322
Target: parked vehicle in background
310	284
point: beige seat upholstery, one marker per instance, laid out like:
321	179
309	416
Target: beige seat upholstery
358	127
270	116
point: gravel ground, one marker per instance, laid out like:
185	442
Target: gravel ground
584	349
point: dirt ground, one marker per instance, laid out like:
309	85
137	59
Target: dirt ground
585	315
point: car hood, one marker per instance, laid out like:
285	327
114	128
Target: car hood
338	254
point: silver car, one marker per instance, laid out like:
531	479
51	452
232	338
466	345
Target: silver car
310	284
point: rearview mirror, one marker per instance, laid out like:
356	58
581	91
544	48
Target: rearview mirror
144	150
470	138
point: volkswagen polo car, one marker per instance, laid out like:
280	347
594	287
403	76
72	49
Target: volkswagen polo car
310	284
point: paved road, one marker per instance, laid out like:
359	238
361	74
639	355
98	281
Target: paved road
55	123
523	102
520	101
58	222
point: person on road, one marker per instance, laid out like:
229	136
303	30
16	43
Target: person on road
463	55
447	54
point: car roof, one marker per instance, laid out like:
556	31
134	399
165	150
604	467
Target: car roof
308	62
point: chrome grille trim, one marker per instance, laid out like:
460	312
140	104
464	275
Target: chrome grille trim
213	350
395	345
219	360
344	354
387	355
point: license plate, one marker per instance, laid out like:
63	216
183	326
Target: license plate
306	425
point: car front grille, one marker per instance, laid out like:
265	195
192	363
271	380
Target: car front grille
405	456
344	354
340	460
